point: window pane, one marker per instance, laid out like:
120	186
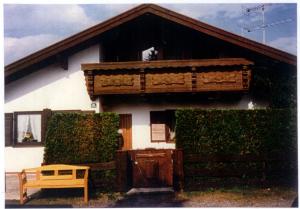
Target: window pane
29	128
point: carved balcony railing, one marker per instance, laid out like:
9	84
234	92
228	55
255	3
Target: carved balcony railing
167	76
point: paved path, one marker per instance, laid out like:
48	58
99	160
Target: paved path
12	187
157	199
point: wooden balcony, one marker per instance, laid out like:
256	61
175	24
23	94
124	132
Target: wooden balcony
167	76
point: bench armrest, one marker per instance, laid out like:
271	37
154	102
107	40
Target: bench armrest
86	174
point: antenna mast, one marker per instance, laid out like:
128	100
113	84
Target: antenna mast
251	11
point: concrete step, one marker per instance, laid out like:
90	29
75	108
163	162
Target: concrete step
150	190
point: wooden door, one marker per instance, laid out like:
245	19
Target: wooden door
126	126
152	168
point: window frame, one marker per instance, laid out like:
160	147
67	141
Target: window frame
27	144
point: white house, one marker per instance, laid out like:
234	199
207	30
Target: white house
142	64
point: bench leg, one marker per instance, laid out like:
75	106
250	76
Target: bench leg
23	194
86	194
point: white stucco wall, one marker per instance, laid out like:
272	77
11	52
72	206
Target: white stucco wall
141	133
19	158
53	88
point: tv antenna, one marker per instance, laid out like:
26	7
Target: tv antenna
254	11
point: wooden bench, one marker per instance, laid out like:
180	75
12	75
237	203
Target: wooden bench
54	176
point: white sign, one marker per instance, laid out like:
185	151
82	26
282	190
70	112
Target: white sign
158	132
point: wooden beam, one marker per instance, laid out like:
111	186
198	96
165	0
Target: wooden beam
142	80
90	84
194	79
157	64
63	61
246	76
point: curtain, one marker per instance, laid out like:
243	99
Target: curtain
29	126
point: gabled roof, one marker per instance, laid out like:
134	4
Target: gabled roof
77	39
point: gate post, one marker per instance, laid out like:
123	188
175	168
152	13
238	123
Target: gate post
122	171
178	170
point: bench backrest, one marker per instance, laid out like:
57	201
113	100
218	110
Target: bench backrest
58	172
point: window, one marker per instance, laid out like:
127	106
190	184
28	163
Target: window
28	128
162	126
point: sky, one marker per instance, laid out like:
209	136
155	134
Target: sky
30	27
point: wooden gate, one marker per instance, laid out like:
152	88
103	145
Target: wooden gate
152	168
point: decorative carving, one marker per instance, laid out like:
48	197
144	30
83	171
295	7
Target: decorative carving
117	83
168	76
168	82
218	81
117	80
147	82
168	79
219	77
